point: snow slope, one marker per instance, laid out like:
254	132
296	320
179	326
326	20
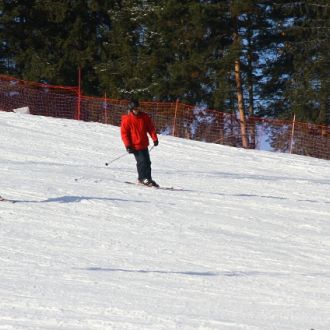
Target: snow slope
244	245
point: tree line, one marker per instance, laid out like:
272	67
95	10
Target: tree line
256	58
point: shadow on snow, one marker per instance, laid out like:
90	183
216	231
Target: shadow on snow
77	199
191	273
194	273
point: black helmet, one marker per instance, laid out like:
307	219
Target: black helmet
133	104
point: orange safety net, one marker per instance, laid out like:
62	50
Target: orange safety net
171	118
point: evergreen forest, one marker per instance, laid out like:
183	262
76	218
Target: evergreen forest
259	58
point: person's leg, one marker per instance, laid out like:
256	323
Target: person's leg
143	164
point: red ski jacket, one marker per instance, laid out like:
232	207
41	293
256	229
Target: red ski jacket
134	129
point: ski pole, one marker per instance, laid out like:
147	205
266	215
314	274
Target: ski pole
121	156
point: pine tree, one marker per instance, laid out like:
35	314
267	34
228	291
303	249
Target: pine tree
297	73
248	21
49	40
168	50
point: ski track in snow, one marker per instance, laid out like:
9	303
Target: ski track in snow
244	245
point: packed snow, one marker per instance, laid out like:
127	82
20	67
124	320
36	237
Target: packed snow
242	242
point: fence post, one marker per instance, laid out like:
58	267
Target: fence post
175	113
79	95
292	133
105	108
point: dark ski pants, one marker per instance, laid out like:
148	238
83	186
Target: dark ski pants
143	164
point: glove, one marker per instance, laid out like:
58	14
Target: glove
156	143
130	150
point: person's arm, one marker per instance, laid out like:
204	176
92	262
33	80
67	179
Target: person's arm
125	132
152	131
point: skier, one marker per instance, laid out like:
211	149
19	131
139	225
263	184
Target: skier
135	127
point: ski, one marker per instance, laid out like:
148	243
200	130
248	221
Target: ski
160	187
2	199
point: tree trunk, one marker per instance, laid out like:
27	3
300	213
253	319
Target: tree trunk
251	125
240	103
